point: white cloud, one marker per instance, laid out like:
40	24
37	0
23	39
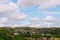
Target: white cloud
49	19
51	12
18	16
26	3
3	20
33	22
11	14
16	25
1	25
47	22
49	4
11	11
46	25
4	1
35	19
42	25
44	4
8	9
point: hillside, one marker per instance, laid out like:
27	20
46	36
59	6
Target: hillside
27	33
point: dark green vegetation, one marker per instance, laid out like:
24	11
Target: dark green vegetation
26	33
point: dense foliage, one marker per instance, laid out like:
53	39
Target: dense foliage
7	33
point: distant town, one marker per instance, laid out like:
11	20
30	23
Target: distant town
28	33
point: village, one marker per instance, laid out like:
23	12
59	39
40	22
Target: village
27	33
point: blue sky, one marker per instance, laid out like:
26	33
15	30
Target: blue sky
32	13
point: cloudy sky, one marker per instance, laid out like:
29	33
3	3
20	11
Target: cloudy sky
32	13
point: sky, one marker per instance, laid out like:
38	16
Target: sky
31	13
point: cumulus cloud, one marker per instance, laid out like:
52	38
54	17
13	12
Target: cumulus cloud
33	22
16	25
49	4
51	12
35	19
18	16
43	4
1	25
11	11
49	19
4	1
3	20
7	9
26	3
